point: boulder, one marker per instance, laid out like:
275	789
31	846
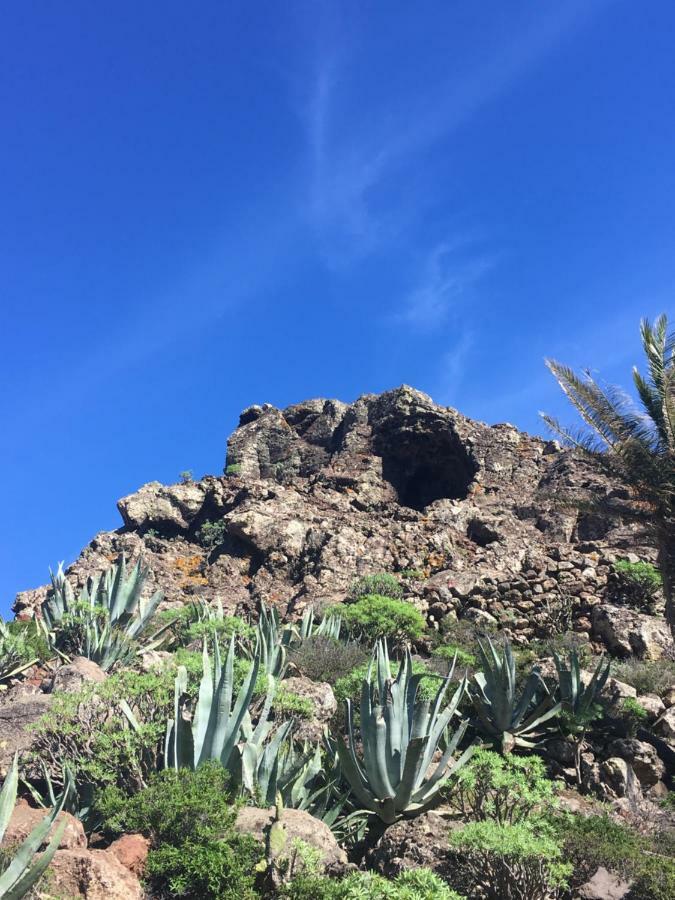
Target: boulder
604	886
299	825
652	704
669	697
92	875
74	675
171	507
17	712
24	819
665	725
323	700
626	632
415	843
132	851
642	757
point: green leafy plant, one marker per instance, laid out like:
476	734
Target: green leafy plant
503	789
22	868
519	861
450	652
638	445
400	735
411	884
349	686
212	534
507	719
375	616
233	469
636	584
189	818
632	715
106	734
383	584
187	476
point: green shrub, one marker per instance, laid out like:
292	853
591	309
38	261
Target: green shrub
636	584
647	676
323	658
187	476
593	841
504	789
233	469
414	884
90	732
415	574
212	534
189	818
448	652
384	584
523	861
632	715
287	704
376	616
188	624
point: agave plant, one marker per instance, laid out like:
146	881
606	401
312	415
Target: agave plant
26	868
15	657
272	641
510	721
104	620
580	704
400	734
215	729
330	626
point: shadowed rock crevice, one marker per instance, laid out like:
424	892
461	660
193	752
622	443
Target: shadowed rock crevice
424	466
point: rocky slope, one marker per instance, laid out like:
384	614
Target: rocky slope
477	516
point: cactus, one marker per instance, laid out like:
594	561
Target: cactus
400	734
506	719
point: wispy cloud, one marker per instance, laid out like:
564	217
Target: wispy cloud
447	276
350	164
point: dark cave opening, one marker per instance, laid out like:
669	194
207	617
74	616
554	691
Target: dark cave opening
425	466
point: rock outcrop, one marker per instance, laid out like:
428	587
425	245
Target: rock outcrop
478	519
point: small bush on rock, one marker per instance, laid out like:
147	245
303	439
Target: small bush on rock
189	818
375	616
323	658
636	584
504	789
384	584
416	884
647	676
593	841
91	734
523	861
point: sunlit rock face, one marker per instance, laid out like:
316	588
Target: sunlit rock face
483	520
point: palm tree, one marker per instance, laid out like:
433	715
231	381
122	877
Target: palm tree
638	444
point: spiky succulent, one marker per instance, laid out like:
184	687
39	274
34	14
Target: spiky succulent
508	719
580	703
272	641
219	714
330	626
105	619
400	734
25	867
15	655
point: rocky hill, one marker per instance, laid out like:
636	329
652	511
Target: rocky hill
481	522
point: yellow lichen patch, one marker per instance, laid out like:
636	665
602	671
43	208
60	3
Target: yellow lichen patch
191	569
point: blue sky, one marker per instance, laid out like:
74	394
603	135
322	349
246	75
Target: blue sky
204	206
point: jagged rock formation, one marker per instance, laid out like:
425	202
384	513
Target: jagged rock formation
323	491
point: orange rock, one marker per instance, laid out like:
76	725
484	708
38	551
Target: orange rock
132	851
